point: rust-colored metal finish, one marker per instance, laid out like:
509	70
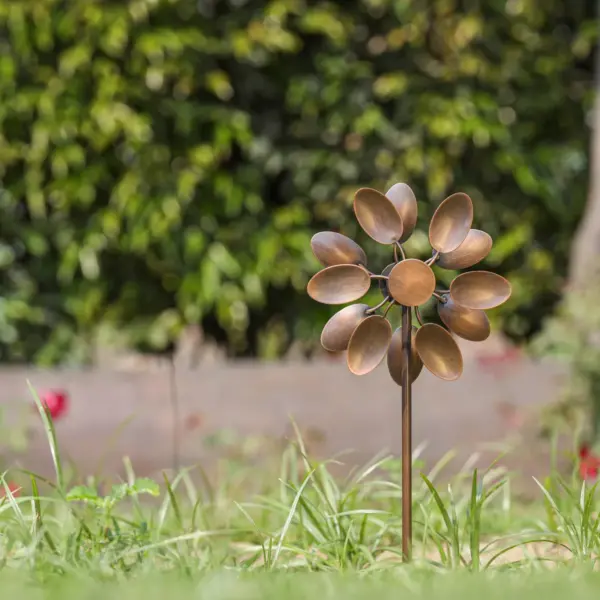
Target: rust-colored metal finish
407	282
475	248
480	289
377	216
396	360
339	329
470	324
439	352
411	282
369	344
407	436
333	248
339	284
383	283
403	198
451	222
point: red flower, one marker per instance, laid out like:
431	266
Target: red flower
584	451
589	464
15	489
57	403
588	471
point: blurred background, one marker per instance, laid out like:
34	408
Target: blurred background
164	164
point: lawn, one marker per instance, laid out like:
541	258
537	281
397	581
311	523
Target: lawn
295	532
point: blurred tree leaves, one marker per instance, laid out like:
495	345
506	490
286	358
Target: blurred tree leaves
165	162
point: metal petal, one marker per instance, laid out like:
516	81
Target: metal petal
480	289
411	282
439	352
476	247
470	324
383	284
377	216
368	344
395	358
339	329
403	198
339	284
451	222
333	248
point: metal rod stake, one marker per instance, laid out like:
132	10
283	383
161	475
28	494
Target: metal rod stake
406	436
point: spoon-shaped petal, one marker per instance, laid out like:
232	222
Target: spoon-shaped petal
377	216
470	324
339	329
383	283
411	282
339	284
403	198
439	352
368	344
480	289
333	248
476	247
451	222
395	358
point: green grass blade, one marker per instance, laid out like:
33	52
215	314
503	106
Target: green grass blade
475	523
51	436
38	520
173	501
291	513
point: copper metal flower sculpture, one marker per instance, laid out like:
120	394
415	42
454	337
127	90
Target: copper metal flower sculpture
367	336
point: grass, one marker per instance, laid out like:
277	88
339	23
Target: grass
299	533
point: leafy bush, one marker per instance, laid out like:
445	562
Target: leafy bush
572	337
165	162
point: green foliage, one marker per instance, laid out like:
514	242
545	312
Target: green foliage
166	162
85	493
303	520
571	338
402	584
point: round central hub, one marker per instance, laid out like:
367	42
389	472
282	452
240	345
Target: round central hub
411	282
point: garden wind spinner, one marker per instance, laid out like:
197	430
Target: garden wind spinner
409	283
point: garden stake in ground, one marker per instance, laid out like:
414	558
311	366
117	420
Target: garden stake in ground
409	283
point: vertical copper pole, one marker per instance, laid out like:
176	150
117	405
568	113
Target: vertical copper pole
406	436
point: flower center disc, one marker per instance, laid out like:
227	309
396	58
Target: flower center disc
411	282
